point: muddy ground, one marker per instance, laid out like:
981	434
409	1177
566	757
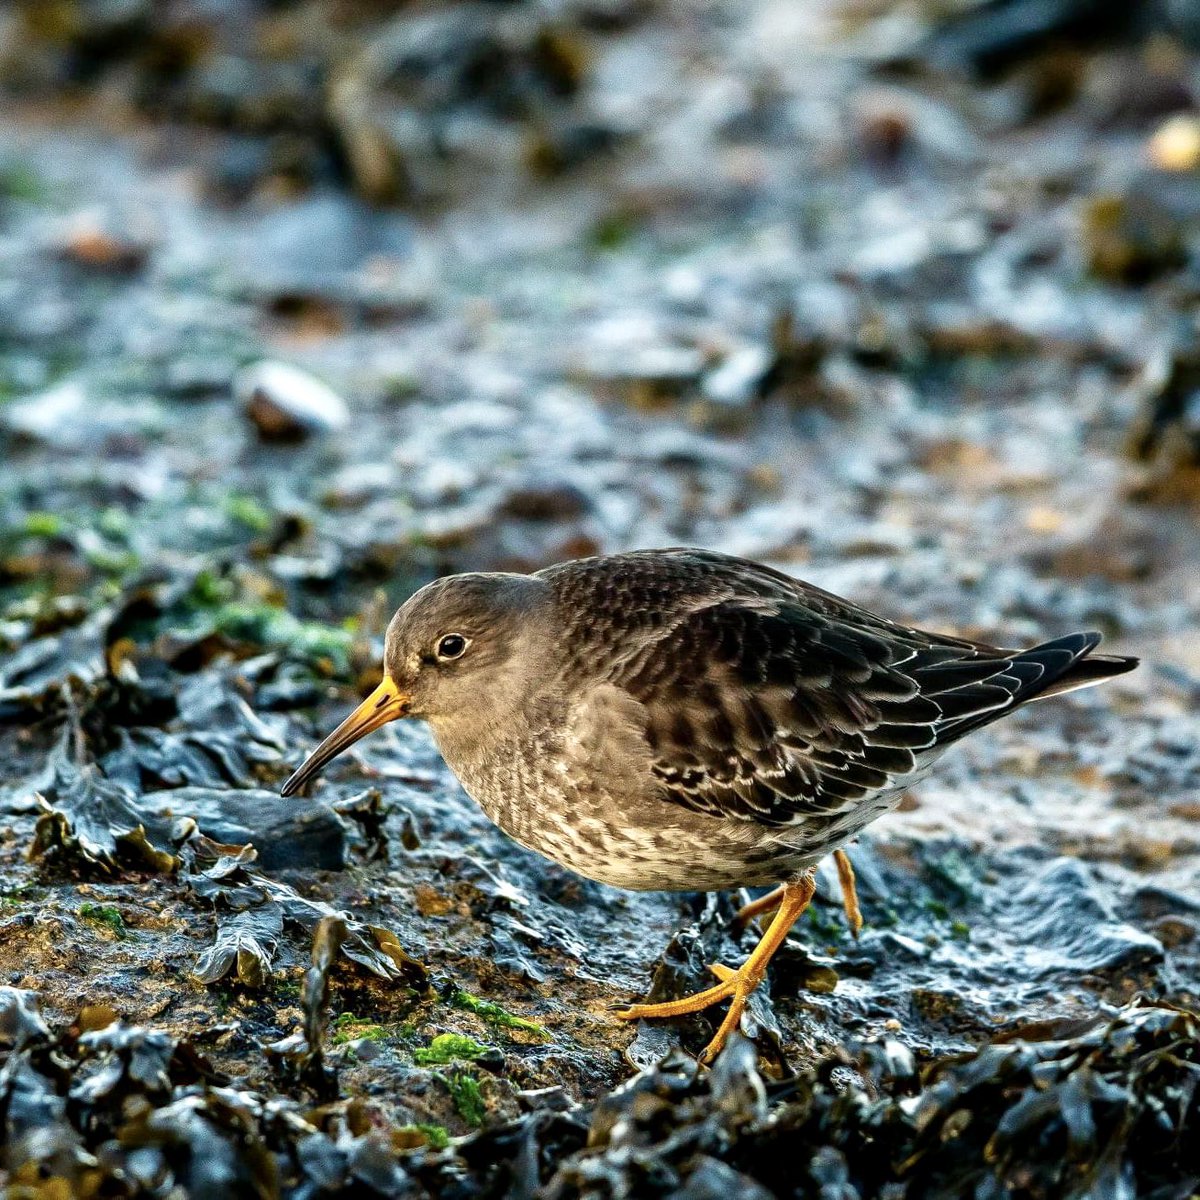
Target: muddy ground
303	305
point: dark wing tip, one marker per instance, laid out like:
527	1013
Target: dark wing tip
1085	668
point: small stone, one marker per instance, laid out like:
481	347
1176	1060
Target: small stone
197	377
43	417
366	1050
765	477
711	1179
288	404
739	379
883	127
97	245
548	1099
95	1016
1043	519
1175	144
548	501
1131	239
1174	931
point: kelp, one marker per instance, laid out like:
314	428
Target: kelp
1104	1107
92	823
252	910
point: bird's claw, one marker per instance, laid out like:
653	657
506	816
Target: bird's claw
683	1006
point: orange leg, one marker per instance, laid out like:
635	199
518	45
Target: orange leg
736	985
756	908
845	870
770	902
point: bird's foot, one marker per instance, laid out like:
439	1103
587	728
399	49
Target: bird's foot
736	986
743	984
756	908
683	1006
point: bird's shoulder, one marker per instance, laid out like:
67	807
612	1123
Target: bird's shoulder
644	591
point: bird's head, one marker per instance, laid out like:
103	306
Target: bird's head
461	646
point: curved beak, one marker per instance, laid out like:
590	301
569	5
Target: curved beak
386	703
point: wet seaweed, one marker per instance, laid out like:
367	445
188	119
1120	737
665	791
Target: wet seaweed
91	823
252	910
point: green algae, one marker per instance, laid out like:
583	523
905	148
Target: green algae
437	1137
467	1097
448	1048
104	914
495	1014
349	1028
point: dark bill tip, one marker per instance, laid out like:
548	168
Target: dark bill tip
384	704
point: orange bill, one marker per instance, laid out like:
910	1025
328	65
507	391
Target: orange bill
384	704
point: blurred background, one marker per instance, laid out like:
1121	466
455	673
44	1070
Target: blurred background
302	304
312	301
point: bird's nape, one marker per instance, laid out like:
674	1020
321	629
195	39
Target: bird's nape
386	703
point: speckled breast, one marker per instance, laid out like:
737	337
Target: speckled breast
638	842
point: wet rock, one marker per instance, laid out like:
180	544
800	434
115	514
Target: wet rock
1165	434
711	1179
104	245
1121	547
883	128
998	35
554	152
287	404
324	248
1174	931
547	501
652	1042
70	416
287	837
44	417
198	377
20	1019
1175	144
739	378
1068	925
642	364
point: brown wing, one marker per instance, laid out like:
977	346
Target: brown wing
768	699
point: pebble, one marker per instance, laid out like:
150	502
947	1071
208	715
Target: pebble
548	501
42	417
1175	144
739	378
288	404
1174	931
98	245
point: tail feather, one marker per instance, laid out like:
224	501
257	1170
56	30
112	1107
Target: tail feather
1052	668
1087	671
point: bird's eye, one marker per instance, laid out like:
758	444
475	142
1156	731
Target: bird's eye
453	645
